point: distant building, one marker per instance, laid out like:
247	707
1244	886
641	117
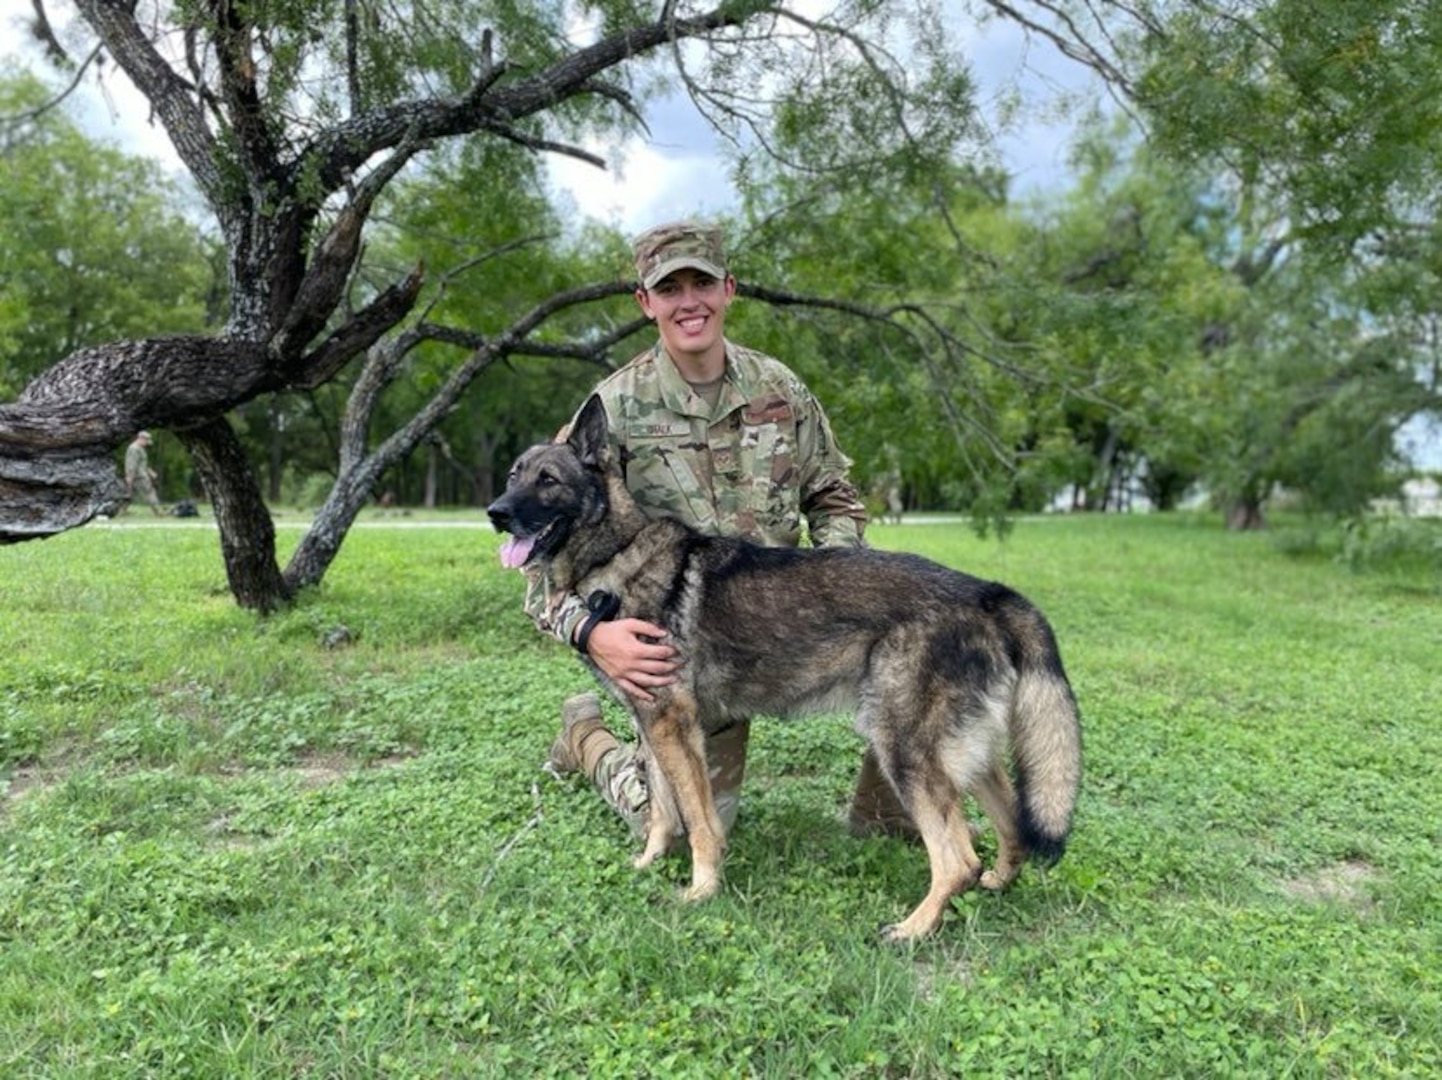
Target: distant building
1422	497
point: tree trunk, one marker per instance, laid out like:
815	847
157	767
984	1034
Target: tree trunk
1244	514
58	441
483	488
321	543
1103	480
44	495
247	533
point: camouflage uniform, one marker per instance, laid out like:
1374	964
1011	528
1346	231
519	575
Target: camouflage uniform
139	477
762	464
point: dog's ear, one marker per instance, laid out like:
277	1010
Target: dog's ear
587	436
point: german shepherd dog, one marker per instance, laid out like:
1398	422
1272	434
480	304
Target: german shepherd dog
945	672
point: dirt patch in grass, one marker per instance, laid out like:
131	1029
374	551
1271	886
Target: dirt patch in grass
318	770
22	782
314	771
1340	883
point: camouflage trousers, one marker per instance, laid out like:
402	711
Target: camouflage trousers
620	777
143	490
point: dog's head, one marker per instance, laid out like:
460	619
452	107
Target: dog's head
553	489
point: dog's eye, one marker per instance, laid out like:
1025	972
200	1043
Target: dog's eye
545	480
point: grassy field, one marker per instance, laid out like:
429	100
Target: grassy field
229	849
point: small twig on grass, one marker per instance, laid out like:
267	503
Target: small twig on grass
509	845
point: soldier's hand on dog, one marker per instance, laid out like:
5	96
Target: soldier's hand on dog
633	654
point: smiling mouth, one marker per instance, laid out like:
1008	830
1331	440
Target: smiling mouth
517	550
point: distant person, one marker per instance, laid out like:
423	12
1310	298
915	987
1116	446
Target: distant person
894	505
139	476
890	488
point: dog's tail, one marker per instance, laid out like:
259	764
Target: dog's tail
1046	746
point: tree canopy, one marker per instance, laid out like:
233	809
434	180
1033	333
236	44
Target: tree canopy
1238	290
293	120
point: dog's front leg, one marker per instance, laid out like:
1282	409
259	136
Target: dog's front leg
678	750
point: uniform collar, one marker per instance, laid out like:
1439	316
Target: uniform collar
676	392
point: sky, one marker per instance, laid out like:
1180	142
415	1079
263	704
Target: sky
677	174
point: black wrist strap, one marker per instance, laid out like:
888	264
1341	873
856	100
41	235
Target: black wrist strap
603	607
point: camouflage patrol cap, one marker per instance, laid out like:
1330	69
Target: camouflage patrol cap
667	248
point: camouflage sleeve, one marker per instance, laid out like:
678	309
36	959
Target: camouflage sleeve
835	515
553	610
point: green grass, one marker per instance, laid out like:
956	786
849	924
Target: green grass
228	850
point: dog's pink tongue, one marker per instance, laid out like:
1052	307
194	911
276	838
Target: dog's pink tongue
515	551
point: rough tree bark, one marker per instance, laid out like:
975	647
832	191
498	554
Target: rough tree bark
247	533
58	441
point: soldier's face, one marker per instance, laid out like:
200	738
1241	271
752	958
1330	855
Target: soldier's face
689	307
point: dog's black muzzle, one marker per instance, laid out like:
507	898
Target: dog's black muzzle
500	515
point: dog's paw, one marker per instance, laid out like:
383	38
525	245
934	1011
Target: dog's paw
1001	876
896	935
910	930
888	934
701	890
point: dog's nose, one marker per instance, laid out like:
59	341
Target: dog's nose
500	516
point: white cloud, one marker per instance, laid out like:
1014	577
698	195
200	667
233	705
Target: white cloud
644	184
1026	91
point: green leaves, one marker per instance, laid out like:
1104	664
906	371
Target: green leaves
1335	108
95	244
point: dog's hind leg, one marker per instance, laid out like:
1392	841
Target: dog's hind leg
997	797
678	750
926	775
931	760
934	803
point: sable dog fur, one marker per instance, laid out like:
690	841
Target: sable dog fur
948	675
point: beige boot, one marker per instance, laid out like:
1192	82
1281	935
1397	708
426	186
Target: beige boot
875	809
584	739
